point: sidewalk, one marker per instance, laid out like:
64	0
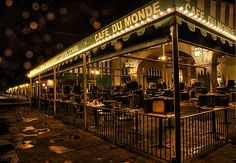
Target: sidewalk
227	154
40	138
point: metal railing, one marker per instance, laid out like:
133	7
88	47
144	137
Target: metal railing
203	131
140	132
153	134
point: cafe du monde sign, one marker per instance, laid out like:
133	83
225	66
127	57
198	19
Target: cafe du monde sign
128	21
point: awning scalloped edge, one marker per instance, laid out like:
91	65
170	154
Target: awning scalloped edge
204	32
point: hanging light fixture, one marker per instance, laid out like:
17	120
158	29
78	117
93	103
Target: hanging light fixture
197	52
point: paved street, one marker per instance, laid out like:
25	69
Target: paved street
40	138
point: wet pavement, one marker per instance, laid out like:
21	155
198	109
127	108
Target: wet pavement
40	138
226	154
37	137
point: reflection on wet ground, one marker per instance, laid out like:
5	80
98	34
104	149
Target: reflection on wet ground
66	138
31	131
28	128
29	119
24	144
40	138
59	149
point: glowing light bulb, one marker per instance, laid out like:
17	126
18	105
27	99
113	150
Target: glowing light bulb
169	10
181	8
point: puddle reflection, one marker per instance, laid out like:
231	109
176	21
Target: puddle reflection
28	119
28	128
59	149
26	144
66	138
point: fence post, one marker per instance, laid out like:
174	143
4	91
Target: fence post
226	123
136	122
214	124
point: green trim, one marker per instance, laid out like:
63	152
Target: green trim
191	27
126	37
222	40
140	32
113	42
203	32
103	46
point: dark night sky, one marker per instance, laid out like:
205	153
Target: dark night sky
31	31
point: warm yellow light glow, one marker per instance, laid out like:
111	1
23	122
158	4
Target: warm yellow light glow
96	72
169	10
181	8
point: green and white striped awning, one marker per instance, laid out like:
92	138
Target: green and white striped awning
213	17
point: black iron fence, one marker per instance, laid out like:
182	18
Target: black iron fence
152	134
203	131
140	132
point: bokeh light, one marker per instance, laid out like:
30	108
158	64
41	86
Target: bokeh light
44	7
27	65
25	15
35	6
96	24
9	3
60	46
50	16
8	52
29	54
26	30
9	32
3	62
33	25
118	45
63	11
46	37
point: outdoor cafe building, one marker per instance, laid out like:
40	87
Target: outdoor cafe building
131	79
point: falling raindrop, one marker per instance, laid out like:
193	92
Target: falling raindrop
96	25
9	32
46	37
50	16
26	30
27	65
33	25
25	15
63	11
29	54
8	52
35	6
9	3
60	46
44	7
